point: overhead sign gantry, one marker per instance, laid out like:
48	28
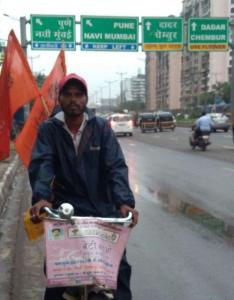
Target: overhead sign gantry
109	33
208	34
53	32
162	34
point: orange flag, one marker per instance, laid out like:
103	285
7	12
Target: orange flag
41	110
17	87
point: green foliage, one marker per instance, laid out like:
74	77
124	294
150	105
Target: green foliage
207	98
220	89
223	90
40	78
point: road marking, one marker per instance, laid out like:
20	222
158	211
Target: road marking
173	138
229	170
131	144
228	147
227	136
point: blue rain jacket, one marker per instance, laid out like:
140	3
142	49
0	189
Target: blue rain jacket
95	181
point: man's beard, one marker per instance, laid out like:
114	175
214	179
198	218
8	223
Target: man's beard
74	114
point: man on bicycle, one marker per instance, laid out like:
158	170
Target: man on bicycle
77	159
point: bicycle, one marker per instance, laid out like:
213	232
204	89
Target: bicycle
81	252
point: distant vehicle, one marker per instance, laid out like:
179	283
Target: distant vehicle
148	122
202	141
121	124
165	120
174	120
220	122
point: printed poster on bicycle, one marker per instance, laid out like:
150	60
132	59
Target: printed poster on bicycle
83	252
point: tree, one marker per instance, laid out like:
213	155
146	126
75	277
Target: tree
223	90
40	78
207	98
220	89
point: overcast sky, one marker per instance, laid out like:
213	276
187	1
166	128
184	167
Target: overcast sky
95	67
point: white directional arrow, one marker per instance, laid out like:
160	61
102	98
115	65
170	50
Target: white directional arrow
38	21
89	23
148	25
194	26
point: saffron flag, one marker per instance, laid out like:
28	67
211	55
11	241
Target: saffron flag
41	110
17	87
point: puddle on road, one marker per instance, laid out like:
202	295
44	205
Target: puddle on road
172	203
176	202
146	193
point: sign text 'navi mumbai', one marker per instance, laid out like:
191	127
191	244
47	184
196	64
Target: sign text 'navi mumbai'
109	33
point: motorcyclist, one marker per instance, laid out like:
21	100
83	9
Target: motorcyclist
202	125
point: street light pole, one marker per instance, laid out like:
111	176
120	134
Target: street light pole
121	85
31	60
232	78
101	88
23	37
110	101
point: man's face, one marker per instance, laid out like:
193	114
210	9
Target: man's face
73	100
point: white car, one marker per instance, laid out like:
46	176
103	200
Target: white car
121	124
220	121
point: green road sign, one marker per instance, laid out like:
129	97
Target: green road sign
162	34
109	33
53	32
208	34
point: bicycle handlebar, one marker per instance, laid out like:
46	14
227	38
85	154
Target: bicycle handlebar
65	213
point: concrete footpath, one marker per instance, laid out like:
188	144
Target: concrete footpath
8	170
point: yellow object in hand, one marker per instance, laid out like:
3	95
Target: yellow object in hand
34	231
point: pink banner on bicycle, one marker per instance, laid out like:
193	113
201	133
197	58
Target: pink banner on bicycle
83	252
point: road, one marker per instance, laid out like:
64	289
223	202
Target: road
173	257
195	177
222	147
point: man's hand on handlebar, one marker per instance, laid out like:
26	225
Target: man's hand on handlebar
36	210
125	209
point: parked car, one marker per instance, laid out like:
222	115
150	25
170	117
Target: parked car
121	124
220	121
165	120
148	122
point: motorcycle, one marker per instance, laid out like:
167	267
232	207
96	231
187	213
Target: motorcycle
202	141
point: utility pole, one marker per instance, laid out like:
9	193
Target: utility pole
23	36
121	85
31	58
101	98
232	77
110	101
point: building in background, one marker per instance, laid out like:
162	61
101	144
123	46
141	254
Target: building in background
138	88
201	70
163	71
176	80
134	88
150	80
168	80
